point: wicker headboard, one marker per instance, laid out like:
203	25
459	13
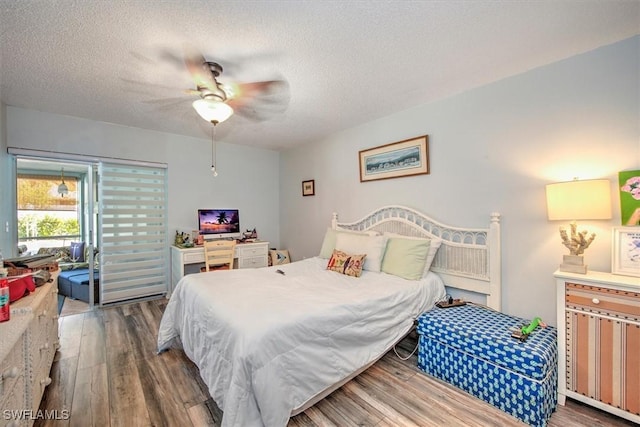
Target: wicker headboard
469	258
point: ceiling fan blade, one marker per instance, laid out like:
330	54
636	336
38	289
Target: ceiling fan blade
259	89
175	100
199	70
252	114
140	86
258	111
260	101
170	57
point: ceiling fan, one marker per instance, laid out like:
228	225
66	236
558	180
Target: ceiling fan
218	100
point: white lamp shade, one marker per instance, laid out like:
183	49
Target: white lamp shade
573	200
212	110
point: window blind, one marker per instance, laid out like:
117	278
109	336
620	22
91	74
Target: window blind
132	206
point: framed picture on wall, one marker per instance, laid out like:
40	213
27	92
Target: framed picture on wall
626	251
403	158
629	185
309	187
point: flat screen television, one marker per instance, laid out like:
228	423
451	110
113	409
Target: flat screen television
219	223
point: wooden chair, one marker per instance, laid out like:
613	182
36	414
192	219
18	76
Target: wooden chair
218	254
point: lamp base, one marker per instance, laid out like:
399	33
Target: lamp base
573	264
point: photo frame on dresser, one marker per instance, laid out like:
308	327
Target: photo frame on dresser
625	258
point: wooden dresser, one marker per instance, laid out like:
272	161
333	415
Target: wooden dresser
28	343
599	341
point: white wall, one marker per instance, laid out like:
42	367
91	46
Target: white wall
248	177
491	149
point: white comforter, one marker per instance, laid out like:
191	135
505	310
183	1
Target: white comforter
266	343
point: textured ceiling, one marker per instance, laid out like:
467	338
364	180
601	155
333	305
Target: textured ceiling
347	62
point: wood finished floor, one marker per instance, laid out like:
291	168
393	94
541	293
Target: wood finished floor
107	373
73	306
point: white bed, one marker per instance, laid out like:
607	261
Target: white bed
270	345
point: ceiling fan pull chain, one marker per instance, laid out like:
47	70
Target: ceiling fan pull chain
213	149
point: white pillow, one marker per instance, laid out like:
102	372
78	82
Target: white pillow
373	246
329	242
433	248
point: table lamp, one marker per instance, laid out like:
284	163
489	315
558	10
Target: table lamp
577	200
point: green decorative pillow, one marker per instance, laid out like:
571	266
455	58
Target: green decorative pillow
405	258
343	263
434	245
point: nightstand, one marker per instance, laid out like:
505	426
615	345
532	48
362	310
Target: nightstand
599	341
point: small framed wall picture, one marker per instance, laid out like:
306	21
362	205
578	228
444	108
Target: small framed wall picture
626	251
309	187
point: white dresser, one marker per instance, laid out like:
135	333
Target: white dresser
189	260
599	341
28	343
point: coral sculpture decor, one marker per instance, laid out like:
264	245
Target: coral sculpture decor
578	241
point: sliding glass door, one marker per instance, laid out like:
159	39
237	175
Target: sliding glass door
133	238
120	204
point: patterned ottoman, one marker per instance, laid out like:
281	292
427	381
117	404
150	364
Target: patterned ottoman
471	347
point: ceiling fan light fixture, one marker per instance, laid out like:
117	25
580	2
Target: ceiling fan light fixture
62	188
212	110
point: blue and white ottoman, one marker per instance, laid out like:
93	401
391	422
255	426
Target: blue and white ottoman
471	347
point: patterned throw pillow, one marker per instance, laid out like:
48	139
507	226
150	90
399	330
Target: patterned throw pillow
350	265
77	251
62	254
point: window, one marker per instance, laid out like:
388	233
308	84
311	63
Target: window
46	218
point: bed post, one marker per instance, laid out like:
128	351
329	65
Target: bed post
334	220
494	300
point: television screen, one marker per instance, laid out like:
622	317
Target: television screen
220	222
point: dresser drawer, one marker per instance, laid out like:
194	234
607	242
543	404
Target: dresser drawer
44	330
251	250
44	344
12	400
253	262
605	301
41	377
12	370
194	257
47	312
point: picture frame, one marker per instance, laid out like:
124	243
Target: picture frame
629	188
309	187
626	251
403	158
279	257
